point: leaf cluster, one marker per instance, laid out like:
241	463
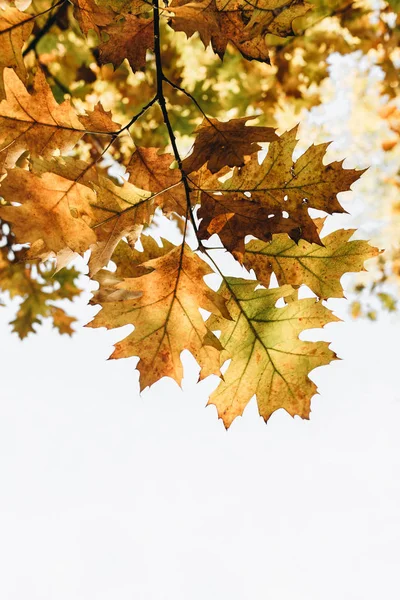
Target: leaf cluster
238	186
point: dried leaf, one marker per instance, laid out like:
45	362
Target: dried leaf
130	38
91	16
221	144
274	197
54	213
242	23
152	171
166	315
117	212
35	122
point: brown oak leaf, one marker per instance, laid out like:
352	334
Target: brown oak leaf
35	122
91	16
129	38
220	144
152	171
274	197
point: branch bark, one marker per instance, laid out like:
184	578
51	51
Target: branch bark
160	79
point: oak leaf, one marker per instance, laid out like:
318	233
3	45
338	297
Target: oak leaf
54	213
38	295
200	17
15	29
61	320
150	170
115	210
134	7
318	267
266	16
35	122
118	211
166	315
274	196
242	23
99	120
217	27
267	358
130	39
220	144
91	16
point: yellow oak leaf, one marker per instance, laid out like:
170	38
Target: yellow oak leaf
61	320
267	357
35	122
52	213
318	267
165	315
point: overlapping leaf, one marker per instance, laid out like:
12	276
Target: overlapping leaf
242	23
165	314
60	199
67	207
54	213
35	122
150	170
91	16
117	212
221	144
274	197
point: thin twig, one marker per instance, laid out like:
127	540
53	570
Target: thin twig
189	95
136	117
49	23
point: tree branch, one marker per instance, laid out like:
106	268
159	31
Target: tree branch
160	78
49	23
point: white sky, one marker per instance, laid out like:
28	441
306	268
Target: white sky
106	495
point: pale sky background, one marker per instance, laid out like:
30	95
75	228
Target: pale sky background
106	495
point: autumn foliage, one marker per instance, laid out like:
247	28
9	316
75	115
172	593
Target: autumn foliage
236	178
